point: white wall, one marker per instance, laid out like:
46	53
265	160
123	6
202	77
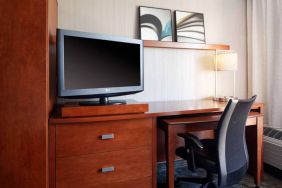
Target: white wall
170	74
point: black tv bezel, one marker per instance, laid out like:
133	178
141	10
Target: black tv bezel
94	92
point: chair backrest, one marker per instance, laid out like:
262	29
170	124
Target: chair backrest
232	150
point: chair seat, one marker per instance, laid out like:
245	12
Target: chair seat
205	158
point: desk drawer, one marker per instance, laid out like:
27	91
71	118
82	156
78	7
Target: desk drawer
136	183
81	139
85	171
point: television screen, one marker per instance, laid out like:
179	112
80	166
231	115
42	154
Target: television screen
94	65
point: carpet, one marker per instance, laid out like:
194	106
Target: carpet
272	177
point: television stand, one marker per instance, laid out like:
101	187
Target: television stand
102	101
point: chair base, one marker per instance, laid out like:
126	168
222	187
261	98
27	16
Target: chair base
205	182
197	180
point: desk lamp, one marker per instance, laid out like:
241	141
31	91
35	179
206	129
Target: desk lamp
225	61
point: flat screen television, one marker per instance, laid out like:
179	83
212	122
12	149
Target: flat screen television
98	66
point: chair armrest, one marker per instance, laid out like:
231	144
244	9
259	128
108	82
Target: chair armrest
191	139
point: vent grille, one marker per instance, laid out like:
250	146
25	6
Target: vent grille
272	133
273	147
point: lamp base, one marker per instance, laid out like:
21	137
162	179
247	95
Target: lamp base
224	99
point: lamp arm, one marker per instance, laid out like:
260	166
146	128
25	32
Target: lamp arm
215	68
234	83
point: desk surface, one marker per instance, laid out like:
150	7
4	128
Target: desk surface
159	109
188	107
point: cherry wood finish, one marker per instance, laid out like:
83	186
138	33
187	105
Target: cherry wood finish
206	118
79	111
201	118
79	154
158	109
187	107
254	135
138	183
52	58
52	156
254	139
81	139
258	172
170	140
182	45
154	153
26	29
85	171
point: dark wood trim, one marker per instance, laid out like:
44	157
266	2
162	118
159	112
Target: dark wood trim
182	45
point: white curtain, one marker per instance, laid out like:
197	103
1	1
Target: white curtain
265	56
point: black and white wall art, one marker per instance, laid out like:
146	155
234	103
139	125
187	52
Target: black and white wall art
189	27
155	24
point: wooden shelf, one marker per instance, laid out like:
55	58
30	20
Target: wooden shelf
182	45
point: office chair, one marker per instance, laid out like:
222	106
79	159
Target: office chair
226	155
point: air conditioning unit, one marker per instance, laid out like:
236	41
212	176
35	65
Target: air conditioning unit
273	147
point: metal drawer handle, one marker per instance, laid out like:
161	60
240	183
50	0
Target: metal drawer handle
108	169
107	136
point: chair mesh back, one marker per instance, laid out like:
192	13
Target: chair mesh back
232	150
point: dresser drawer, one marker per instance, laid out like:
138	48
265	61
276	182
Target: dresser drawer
81	139
137	183
120	166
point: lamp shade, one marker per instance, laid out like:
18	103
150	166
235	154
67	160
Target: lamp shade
227	61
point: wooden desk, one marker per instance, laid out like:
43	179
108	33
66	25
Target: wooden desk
205	116
199	111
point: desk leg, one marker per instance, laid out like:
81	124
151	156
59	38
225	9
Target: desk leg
154	158
254	138
259	170
170	139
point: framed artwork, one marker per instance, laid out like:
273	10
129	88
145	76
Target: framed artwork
189	27
155	24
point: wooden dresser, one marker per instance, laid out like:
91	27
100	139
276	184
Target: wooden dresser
102	154
120	151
